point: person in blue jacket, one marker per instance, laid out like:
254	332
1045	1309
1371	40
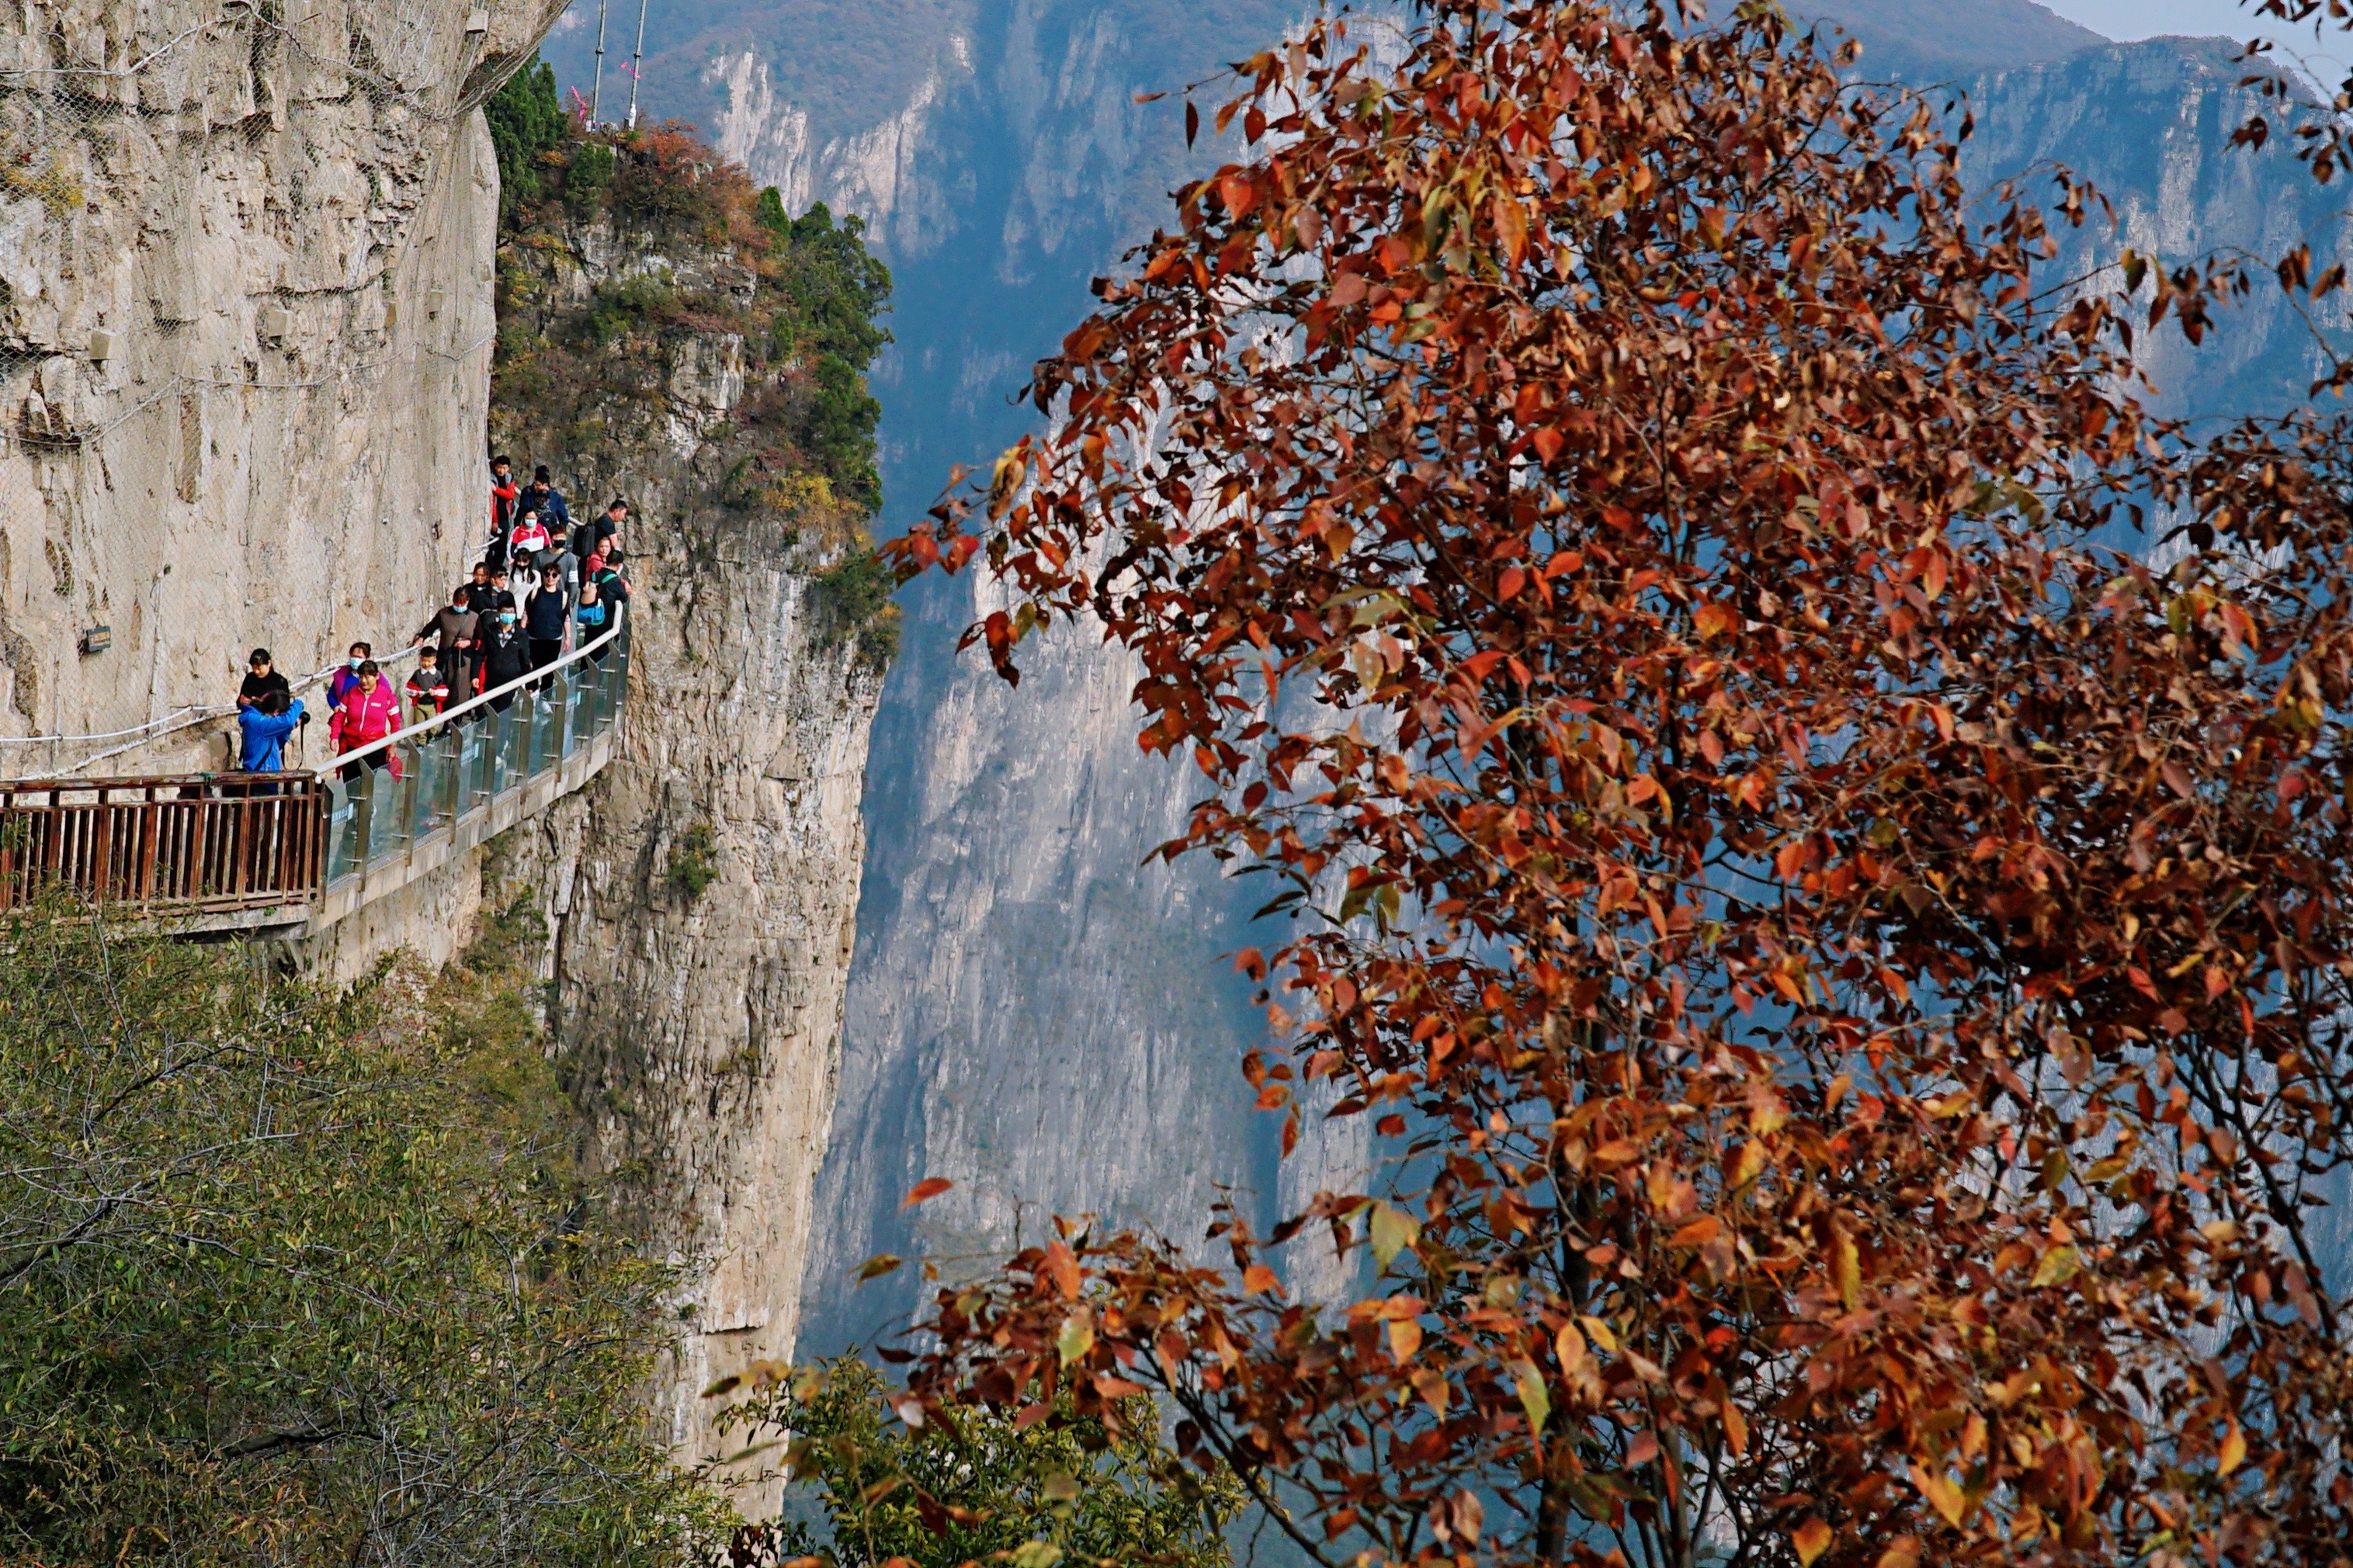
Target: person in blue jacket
541	497
266	725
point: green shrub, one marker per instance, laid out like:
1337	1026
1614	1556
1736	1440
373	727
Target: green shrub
291	1275
853	600
642	299
588	177
1066	1489
526	120
694	862
834	287
838	431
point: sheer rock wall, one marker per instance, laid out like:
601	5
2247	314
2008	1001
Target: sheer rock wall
244	318
699	1029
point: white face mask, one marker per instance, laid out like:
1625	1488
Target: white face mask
357	661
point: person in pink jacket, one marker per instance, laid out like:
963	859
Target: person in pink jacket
370	711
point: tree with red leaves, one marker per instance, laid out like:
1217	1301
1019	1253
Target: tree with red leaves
1849	974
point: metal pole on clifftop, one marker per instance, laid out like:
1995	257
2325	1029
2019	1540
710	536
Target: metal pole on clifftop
596	83
635	56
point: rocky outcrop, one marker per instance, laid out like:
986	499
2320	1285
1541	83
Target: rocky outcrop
245	325
700	891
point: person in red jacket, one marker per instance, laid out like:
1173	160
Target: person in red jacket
368	713
504	494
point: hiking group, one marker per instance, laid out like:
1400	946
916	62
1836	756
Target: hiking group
481	640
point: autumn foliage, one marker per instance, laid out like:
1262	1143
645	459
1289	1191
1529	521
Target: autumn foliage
1817	828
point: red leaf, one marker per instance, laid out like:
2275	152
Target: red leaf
924	1190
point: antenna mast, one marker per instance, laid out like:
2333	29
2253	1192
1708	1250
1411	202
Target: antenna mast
596	83
635	56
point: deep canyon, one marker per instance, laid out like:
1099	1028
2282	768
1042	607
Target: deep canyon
931	947
1032	1012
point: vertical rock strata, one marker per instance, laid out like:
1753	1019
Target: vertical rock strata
701	892
245	257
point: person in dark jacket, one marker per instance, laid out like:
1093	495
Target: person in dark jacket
589	537
605	572
451	632
478	591
261	678
263	729
428	689
506	658
504	492
541	497
488	603
546	616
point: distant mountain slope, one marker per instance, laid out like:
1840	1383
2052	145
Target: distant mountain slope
1916	36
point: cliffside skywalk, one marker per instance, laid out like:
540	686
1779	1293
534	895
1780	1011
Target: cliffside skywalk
289	853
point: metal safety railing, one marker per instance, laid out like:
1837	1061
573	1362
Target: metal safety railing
390	796
194	845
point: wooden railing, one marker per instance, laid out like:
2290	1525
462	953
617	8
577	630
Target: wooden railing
193	843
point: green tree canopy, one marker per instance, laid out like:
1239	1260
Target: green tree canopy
301	1278
1031	1492
526	119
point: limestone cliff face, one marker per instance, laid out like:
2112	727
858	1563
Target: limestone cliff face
701	891
244	318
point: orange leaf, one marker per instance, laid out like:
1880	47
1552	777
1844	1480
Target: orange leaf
924	1191
1258	1279
2233	1452
1947	1499
1698	1232
1716	620
1405	1338
1846	1268
1932	576
1064	1271
1811	1539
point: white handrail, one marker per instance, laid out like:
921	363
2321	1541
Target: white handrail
361	753
172	723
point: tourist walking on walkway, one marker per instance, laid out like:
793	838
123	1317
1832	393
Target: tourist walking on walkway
589	622
589	537
546	620
369	713
451	632
523	545
428	689
261	678
505	493
340	684
506	658
544	498
263	729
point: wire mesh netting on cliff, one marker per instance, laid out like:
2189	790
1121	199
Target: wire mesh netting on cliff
240	404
